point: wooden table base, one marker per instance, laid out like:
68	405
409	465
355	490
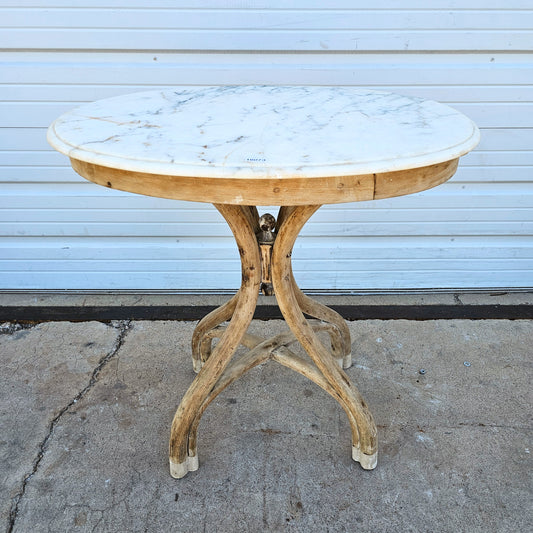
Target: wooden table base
265	253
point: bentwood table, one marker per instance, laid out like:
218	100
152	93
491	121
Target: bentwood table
242	147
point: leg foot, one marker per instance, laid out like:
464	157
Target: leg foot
197	365
347	361
179	470
368	462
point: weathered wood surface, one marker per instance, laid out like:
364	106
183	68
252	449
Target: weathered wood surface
275	348
341	345
216	371
180	461
288	191
364	433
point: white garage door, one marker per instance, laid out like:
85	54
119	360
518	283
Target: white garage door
59	232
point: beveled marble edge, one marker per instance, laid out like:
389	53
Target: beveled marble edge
303	171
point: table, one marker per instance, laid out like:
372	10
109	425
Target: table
242	147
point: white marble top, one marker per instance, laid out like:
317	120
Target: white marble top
263	131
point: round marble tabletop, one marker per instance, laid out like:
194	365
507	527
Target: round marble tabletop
260	134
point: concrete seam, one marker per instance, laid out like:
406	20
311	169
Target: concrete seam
122	326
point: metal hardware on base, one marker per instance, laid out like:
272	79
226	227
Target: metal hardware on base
266	237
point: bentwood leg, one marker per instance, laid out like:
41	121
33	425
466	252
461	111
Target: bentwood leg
364	448
340	334
216	371
341	345
201	342
180	461
338	331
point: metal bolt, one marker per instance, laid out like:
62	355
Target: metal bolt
466	363
422	371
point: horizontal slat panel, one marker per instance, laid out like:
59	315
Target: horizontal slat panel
471	232
279	68
368	228
22	157
498	158
450	94
379	252
360	219
201	281
434	5
344	247
241	28
301	40
38	174
300	19
230	266
113	216
193	279
506	139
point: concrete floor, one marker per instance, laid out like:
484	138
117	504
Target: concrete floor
85	411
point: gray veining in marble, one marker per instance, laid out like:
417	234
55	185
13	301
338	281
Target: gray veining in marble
246	131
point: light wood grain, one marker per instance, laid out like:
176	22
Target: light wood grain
389	184
216	368
216	363
276	349
255	190
341	346
201	345
364	433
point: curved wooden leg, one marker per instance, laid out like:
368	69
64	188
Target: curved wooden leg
364	434
180	461
259	353
201	345
341	344
287	358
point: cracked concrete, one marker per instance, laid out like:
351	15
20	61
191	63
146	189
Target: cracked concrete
36	373
86	412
